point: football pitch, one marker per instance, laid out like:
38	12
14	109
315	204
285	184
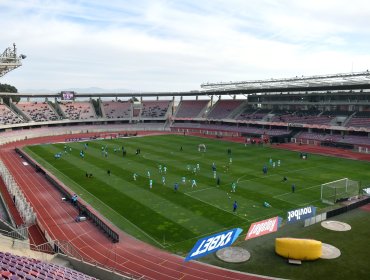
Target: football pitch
175	220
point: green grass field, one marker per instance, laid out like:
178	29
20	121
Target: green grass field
176	220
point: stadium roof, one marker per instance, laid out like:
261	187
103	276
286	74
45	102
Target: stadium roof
311	84
123	94
361	79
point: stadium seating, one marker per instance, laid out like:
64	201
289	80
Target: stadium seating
7	116
252	114
154	109
78	110
360	119
15	267
282	116
136	112
359	122
38	111
117	109
355	139
223	108
191	108
335	113
304	117
158	109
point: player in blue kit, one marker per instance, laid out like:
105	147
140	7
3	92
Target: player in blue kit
235	206
264	170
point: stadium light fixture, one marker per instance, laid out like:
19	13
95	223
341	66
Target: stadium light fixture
9	60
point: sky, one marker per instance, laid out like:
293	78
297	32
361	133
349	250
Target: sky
168	45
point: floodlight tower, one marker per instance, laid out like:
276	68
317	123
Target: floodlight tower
9	60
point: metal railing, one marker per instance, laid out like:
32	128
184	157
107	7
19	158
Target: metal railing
21	233
23	206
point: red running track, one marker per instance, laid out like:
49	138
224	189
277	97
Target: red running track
128	256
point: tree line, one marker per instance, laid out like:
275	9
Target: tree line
9	88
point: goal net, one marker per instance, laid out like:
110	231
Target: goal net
338	190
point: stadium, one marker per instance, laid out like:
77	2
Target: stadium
312	132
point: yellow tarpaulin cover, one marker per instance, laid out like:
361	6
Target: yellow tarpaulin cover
298	249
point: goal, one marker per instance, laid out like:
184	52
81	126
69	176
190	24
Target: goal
338	190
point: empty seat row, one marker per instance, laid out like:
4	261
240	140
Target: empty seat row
16	267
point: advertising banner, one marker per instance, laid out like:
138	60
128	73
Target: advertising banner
301	214
213	243
263	227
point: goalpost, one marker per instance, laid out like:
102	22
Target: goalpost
335	191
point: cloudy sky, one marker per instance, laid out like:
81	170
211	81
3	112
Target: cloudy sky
171	45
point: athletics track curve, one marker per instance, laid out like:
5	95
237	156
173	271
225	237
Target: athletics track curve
127	256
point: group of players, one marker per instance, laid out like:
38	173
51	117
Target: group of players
192	170
162	170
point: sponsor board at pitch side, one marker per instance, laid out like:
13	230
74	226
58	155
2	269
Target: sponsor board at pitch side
300	214
213	243
263	227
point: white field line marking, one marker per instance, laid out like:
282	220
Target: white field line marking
301	190
293	171
229	212
200	190
264	217
150	157
307	203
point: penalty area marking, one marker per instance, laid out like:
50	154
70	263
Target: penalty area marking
267	176
201	200
301	190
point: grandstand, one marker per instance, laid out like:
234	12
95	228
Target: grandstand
155	109
78	110
252	114
191	108
116	109
37	111
359	119
334	104
8	116
223	109
331	110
